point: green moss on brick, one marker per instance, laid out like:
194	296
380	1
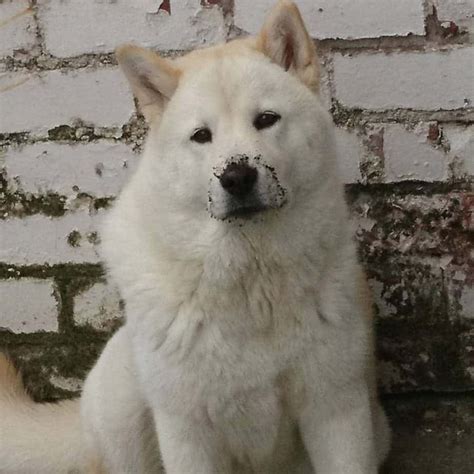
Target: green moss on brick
63	132
71	358
18	204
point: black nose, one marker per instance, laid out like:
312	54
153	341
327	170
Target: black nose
238	179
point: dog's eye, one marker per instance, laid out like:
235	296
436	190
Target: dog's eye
202	135
266	120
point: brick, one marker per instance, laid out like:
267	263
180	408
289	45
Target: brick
51	366
345	19
38	102
350	154
98	307
17	27
459	278
72	28
467	302
460	12
461	145
418	257
409	155
40	240
28	305
415	80
99	169
408	224
421	343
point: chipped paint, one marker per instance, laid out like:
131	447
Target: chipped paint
15	17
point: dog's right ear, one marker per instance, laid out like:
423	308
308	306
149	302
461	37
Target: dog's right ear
152	78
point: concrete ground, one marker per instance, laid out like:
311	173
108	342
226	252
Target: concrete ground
433	434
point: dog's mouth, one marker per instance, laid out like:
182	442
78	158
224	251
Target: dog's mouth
245	212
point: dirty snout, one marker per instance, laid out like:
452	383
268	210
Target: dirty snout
244	187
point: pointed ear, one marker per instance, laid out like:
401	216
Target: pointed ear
285	40
152	78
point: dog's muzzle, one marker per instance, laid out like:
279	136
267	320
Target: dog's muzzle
243	188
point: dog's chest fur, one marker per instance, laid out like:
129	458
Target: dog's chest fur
228	358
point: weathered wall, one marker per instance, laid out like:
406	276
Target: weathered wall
399	81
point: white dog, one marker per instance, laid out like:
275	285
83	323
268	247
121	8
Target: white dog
248	341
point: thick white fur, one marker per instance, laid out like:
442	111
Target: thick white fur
248	344
37	438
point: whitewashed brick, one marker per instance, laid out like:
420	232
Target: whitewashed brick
99	307
98	169
461	145
28	305
344	19
38	102
417	80
409	155
350	153
72	28
38	239
461	12
17	27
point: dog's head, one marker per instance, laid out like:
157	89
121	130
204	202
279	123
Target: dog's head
236	130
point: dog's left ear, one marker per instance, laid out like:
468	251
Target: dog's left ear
286	41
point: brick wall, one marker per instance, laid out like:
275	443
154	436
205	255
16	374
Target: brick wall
398	78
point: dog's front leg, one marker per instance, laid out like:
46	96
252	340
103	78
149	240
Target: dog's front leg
338	432
189	447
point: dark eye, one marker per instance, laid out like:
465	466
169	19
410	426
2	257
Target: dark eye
202	135
266	120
